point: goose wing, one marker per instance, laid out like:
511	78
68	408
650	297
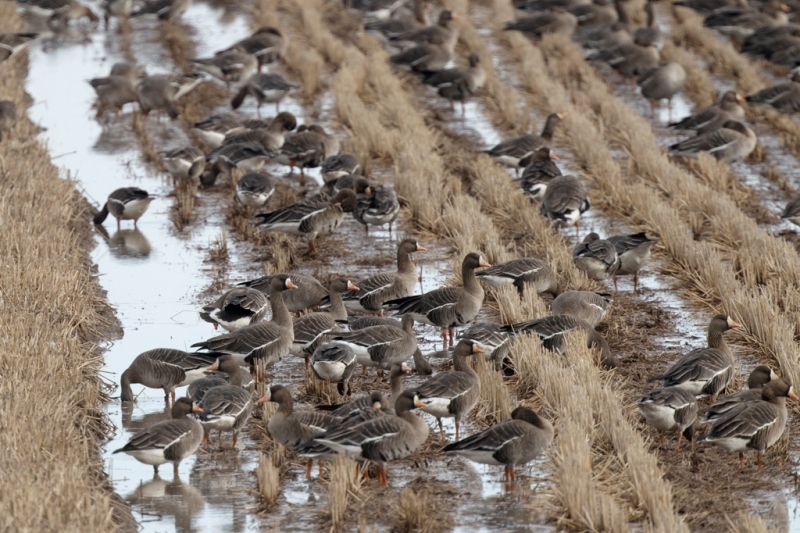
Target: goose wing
243	341
159	436
493	439
702	364
711	142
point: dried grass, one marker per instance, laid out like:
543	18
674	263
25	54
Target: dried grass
176	37
345	483
269	479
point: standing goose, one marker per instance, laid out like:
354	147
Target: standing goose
669	409
271	136
756	425
492	338
396	375
401	21
377	205
266	44
127	203
525	270
114	91
559	20
443	33
662	82
268	341
168	441
311	328
597	257
759	377
511	443
339	165
184	163
458	83
539	170
595	14
382	439
213	130
223	371
421	365
310	219
714	116
236	309
307	149
744	22
376	290
254	189
649	35
334	362
792	211
447	307
733	141
8	118
425	58
783	97
633	252
564	201
226	407
309	293
704	371
552	330
162	368
631	60
381	346
270	88
230	66
452	394
510	152
589	306
161	91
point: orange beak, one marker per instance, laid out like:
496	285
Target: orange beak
735	324
196	408
290	284
740	99
368	190
792	395
554	157
484	264
376	405
213	366
338	204
418	402
421	248
562	116
265	398
352	287
785	8
404	367
476	349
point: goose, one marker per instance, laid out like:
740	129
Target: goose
511	443
254	189
376	290
334	362
8	118
705	7
589	306
597	257
458	83
339	165
381	346
631	60
267	341
608	37
714	116
161	91
308	149
510	152
492	338
792	211
270	88
113	92
595	14
421	365
564	201
783	97
226	407
662	82
443	33
704	371
759	377
223	371
169	441
669	409
162	368
377	205
401	21
13	43
777	44
117	8
293	429
525	270
633	252
230	66
756	425
452	394
236	308
744	22
187	162
425	58
539	169
332	187
127	203
163	9
649	35
559	21
447	307
311	328
213	130
309	293
271	138
552	330
733	141
310	219
267	44
396	375
226	157
382	439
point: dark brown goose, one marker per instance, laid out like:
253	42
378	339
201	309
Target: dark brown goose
704	371
169	441
334	362
589	306
539	169
633	252
309	293
163	368
213	130
733	141
443	33
396	375
254	189
377	204
447	307
784	97
266	44
452	394
236	309
264	341
522	271
792	211
380	440
760	376
552	330
511	443
492	338
558	21
381	346
669	409
510	152
714	116
127	203
597	257
223	371
755	425
376	290
310	329
307	149
265	88
226	407
458	84
564	201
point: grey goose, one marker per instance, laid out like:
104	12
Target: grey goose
522	271
310	218
758	378
447	307
714	116
309	293
339	165
226	157
421	364
597	257
236	308
704	371
492	338
334	362
162	9
163	368
631	60
8	118
452	394
783	97
307	148
270	135
792	211
263	341
184	163
443	33
114	91
589	306
669	409
265	88
161	91
213	129
267	44
564	201
633	252
424	59
649	35
377	204
168	441
733	141
755	425
254	189
706	7
770	40
539	168
558	20
396	375
229	66
402	20
662	82
457	84
376	290
511	151
225	408
223	371
511	443
744	22
127	203
595	14
381	346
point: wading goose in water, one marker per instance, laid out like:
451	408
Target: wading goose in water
733	141
754	425
309	293
377	205
589	306
447	307
254	189
564	201
669	409
184	163
163	368
265	88
597	257
381	346
266	44
633	252
376	290
511	443
226	407
161	91
334	362
236	309
168	441
8	118
662	82
223	371
307	148
539	169
127	203
759	377
704	371
519	272
510	152
714	116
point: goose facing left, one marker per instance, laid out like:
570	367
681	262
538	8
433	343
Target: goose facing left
127	203
163	368
226	407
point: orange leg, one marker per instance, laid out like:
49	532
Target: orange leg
309	466
205	440
680	436
661	437
741	461
760	463
441	427
235	437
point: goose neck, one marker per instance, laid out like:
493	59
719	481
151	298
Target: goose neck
280	314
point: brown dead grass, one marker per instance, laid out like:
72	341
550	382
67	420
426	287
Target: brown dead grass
269	479
345	482
176	38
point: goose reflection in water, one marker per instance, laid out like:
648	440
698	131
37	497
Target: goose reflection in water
126	243
159	498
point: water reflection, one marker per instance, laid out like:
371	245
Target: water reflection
126	243
142	419
158	498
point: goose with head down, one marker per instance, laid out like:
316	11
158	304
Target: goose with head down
226	407
759	377
163	368
236	308
127	203
539	170
564	201
586	305
669	409
525	270
512	151
309	293
597	257
633	252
